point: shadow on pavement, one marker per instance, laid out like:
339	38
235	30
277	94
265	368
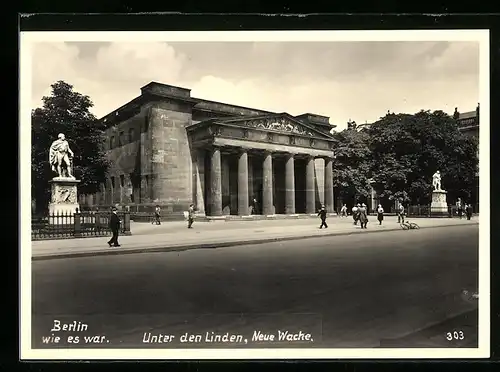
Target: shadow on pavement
458	332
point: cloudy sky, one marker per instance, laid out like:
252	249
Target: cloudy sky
342	80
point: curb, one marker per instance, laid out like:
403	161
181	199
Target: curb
186	247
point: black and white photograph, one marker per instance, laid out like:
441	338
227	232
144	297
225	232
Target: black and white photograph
254	195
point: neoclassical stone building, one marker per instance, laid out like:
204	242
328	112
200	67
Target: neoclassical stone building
172	149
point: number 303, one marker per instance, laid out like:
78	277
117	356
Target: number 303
455	335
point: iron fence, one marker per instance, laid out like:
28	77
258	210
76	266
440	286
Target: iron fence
80	224
428	211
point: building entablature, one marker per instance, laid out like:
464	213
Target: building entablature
276	133
200	108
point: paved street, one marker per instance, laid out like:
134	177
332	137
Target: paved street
347	291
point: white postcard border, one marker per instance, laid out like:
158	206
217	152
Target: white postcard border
27	38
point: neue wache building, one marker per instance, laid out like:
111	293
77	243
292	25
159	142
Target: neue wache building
171	149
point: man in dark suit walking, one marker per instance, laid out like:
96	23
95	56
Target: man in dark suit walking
114	225
322	215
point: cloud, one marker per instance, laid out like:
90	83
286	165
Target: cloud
113	77
358	81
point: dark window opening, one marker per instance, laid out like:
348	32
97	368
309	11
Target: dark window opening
146	123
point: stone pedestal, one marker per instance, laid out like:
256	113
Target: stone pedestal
439	206
64	200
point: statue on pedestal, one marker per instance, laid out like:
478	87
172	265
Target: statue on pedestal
436	181
64	200
60	157
439	206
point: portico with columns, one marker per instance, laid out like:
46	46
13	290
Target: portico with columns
281	162
170	149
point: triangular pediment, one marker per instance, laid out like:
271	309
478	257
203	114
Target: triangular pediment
283	123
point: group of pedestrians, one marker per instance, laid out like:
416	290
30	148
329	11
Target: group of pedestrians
360	214
466	209
189	216
115	222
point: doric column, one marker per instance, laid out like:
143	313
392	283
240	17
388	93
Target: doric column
267	185
144	191
329	203
243	184
310	187
290	185
215	183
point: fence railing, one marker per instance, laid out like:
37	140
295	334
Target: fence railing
80	224
428	211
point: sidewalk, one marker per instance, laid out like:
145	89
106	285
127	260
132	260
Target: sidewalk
174	236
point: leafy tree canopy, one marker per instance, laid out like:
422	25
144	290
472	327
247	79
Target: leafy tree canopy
66	111
406	150
352	170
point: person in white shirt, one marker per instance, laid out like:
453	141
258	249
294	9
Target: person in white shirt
380	214
401	213
157	215
343	211
355	213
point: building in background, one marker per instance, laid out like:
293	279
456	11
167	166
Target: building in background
171	149
468	123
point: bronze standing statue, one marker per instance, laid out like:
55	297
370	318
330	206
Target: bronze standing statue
61	157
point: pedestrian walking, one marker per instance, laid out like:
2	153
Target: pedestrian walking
343	211
363	215
157	215
401	213
255	206
355	213
380	214
114	225
190	216
322	215
468	211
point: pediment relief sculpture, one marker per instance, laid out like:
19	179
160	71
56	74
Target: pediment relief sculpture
215	130
279	124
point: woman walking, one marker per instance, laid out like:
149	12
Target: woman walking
468	211
363	216
380	214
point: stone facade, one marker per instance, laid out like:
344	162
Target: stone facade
468	123
168	148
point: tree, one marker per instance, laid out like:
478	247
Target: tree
407	150
66	111
352	169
